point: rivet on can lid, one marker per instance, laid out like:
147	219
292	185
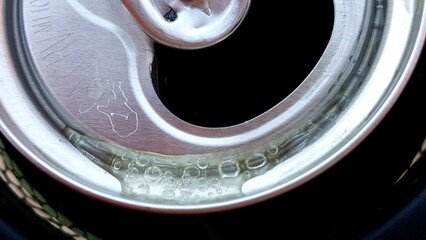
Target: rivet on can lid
188	24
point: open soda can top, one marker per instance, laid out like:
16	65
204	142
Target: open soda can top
84	85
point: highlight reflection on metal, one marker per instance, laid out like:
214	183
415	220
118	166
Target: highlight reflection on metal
188	24
97	111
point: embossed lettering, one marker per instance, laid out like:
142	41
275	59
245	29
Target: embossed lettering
43	24
57	50
39	5
60	48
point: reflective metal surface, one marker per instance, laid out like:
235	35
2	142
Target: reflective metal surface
187	24
79	101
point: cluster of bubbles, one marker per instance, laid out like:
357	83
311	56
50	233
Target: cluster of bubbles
186	180
190	179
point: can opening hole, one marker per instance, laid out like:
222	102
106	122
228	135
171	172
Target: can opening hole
250	72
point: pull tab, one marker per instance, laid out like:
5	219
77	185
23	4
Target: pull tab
188	24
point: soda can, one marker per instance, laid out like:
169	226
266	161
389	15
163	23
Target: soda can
90	90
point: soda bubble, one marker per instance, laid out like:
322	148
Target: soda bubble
153	174
229	168
202	163
256	161
117	165
215	182
192	172
142	162
132	173
143	188
186	188
169	194
169	182
203	184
